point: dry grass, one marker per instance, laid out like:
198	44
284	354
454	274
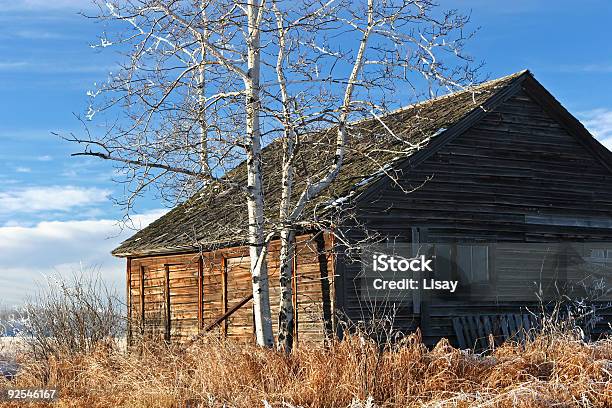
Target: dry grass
553	370
11	345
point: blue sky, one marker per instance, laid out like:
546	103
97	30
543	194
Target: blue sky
55	210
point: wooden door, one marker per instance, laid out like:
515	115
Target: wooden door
238	274
153	301
183	300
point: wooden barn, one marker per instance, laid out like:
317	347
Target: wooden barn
499	165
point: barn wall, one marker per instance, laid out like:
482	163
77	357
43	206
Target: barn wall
515	163
198	289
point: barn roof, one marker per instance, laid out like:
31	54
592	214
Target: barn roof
214	216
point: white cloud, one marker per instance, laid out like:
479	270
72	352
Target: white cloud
587	68
32	34
27	254
37	35
599	122
29	135
23	170
12	65
55	198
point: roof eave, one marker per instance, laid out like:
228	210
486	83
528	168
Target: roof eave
126	253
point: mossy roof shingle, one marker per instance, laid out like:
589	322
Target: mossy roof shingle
216	216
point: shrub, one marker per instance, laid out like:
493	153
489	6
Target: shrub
70	315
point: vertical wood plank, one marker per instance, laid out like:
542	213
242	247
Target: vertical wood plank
224	294
458	327
328	325
520	334
294	283
200	293
511	325
467	333
473	324
128	297
339	268
142	301
503	321
332	279
482	335
416	296
488	328
167	297
424	248
526	322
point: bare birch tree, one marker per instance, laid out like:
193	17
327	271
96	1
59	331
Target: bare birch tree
209	83
255	195
338	61
189	101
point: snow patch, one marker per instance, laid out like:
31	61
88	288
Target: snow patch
439	131
338	202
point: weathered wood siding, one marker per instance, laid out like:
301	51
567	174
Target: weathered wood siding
515	163
177	296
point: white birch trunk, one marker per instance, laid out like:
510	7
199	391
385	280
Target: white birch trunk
202	120
286	322
255	200
287	217
312	190
287	253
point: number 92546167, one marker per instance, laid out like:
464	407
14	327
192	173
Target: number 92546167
28	394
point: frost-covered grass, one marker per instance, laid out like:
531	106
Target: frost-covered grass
551	371
10	346
10	349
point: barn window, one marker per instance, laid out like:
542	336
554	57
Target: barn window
599	256
444	263
472	263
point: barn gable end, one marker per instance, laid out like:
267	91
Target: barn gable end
524	171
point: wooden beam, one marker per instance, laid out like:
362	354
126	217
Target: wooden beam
332	280
416	294
224	295
167	296
223	318
294	284
128	297
200	293
142	301
425	249
340	288
324	276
